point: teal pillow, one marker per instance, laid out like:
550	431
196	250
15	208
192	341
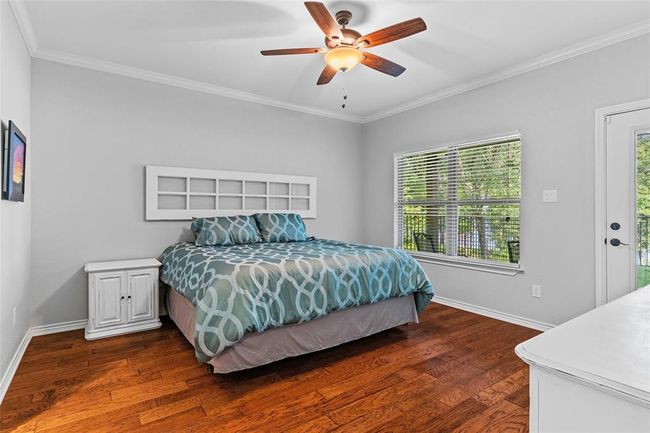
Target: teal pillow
281	227
233	230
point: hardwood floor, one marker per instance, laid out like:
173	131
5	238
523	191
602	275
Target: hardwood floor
454	372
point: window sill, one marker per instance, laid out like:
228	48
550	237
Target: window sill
510	269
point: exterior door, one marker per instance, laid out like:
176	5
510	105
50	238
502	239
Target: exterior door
628	202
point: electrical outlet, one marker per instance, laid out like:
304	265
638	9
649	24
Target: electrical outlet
13	319
537	291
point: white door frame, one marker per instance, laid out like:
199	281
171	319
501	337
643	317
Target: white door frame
601	188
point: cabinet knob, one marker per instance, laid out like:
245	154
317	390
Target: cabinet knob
122	298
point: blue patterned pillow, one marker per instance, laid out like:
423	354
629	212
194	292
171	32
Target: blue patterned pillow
281	227
225	231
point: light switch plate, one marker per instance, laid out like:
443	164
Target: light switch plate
537	291
549	195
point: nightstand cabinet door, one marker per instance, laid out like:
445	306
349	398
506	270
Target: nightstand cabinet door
141	296
108	290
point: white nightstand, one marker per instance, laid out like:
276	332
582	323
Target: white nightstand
122	297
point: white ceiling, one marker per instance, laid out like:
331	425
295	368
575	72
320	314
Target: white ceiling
216	44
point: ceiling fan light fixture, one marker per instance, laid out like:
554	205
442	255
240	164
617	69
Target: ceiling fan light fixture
343	45
343	58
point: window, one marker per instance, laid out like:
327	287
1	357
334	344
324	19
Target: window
460	201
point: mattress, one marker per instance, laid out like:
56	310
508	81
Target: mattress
339	327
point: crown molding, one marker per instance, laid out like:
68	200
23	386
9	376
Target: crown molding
171	80
566	53
24	23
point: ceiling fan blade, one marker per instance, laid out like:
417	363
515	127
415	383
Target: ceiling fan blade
393	33
327	75
285	51
382	65
324	20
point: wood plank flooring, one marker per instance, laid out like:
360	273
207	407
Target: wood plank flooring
454	372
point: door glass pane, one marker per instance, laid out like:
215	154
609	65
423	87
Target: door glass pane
643	208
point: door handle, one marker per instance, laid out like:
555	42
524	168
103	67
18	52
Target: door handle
616	242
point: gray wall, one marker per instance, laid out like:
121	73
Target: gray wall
94	133
14	217
554	109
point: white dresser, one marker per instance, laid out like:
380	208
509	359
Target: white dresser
592	373
122	297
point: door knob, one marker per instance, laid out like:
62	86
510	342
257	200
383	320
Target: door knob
616	242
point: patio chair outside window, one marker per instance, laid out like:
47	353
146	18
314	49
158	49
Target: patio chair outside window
513	251
424	242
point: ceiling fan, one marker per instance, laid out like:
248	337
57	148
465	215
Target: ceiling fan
343	45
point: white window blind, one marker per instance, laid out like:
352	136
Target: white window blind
460	201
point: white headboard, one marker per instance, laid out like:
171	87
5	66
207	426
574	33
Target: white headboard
175	193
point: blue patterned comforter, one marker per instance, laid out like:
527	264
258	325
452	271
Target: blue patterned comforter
249	288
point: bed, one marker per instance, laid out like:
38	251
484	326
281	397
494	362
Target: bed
242	306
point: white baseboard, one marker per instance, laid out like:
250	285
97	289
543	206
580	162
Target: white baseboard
69	326
58	327
510	318
13	364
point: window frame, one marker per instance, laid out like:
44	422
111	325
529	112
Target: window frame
502	268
